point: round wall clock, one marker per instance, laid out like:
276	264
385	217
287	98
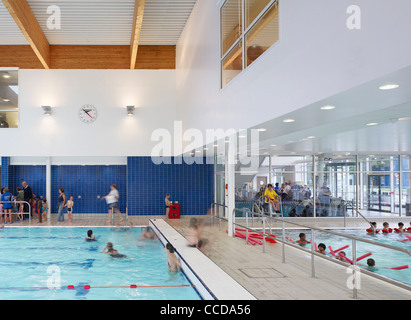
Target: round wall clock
88	113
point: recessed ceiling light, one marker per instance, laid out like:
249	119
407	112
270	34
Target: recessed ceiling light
261	129
389	86
402	119
328	107
311	137
372	124
6	76
288	120
273	145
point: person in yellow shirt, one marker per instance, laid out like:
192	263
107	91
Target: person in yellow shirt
271	196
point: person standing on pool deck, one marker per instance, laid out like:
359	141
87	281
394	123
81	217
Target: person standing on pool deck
27	196
69	205
7	206
112	201
168	203
60	204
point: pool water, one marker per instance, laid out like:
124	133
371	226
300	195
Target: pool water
383	257
34	259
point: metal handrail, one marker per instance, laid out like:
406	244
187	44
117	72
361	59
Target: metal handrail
312	251
20	202
330	232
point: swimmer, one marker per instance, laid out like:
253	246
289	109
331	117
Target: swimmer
148	233
373	227
386	227
338	257
90	236
400	227
302	239
321	248
111	251
172	261
371	264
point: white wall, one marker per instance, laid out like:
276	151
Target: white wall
317	57
114	133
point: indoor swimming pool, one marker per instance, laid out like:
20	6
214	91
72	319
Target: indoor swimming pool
384	258
59	264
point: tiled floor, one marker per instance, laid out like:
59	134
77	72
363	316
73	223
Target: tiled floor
267	277
264	275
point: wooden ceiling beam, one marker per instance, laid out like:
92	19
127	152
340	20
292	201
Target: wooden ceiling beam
136	31
26	21
90	57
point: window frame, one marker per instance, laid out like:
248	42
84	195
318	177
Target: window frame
243	36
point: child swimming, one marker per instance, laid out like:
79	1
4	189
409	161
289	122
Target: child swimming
321	248
90	236
172	261
111	251
302	239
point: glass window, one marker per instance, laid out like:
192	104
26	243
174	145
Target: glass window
252	9
232	64
262	35
231	24
9	99
253	22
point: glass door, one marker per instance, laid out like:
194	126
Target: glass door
379	198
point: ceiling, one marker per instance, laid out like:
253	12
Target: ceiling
344	130
102	22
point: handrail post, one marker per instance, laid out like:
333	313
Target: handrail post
354	260
246	229
283	245
264	234
312	254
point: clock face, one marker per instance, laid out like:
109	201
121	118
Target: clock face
88	113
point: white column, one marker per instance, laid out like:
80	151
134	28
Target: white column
48	185
230	181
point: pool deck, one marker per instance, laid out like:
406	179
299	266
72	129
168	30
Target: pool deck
264	275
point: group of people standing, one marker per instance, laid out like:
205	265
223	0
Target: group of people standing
16	204
15	207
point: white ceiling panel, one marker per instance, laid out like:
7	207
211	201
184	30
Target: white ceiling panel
10	33
109	22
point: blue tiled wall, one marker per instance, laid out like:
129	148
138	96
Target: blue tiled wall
191	185
35	176
142	185
86	183
5	172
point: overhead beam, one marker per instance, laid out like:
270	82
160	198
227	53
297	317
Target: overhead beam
90	57
136	30
26	21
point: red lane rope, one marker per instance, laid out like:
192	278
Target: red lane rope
87	287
